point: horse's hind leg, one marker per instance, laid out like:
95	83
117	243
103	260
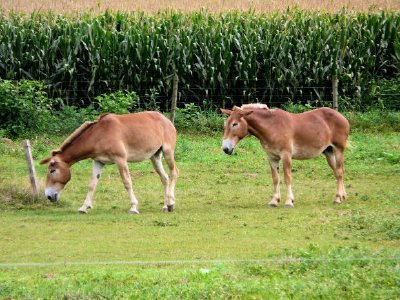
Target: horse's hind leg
287	169
274	164
158	166
174	172
339	173
334	157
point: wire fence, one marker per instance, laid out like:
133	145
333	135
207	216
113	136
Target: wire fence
285	260
236	92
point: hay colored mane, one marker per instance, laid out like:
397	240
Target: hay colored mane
77	133
254	106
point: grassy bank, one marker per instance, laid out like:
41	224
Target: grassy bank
221	214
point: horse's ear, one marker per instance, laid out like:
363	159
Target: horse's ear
55	152
226	111
45	161
245	113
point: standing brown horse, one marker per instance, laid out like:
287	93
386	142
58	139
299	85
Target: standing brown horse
116	139
286	136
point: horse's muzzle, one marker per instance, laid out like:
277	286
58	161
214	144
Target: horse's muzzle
52	195
227	151
228	146
53	199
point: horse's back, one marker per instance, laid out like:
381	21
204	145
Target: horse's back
330	117
151	122
338	124
139	134
323	122
311	132
333	116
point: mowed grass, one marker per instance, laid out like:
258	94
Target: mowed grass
349	250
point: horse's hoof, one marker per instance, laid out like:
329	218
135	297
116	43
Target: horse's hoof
272	205
134	212
171	207
337	202
164	209
81	211
289	205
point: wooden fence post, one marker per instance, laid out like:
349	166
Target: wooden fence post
31	167
335	92
174	98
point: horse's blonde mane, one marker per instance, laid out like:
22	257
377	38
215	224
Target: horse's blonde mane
254	106
77	133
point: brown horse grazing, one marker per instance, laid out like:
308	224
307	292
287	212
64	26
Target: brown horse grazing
284	136
116	139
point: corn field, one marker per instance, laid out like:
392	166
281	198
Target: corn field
216	6
222	59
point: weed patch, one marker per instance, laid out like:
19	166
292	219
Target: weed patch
369	225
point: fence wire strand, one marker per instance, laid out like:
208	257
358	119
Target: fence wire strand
286	260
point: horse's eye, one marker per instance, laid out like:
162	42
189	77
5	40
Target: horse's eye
52	171
234	125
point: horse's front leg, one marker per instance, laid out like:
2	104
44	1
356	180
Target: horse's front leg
126	179
97	168
274	164
287	169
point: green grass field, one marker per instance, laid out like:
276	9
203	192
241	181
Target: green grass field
220	227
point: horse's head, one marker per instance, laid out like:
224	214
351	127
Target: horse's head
58	175
235	128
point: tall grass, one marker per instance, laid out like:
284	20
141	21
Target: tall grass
225	58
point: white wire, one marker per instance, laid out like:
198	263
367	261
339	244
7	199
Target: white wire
212	261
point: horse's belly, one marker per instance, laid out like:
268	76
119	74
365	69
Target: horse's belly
306	152
142	149
137	156
104	159
131	156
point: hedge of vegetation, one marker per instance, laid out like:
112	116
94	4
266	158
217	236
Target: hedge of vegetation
230	57
26	110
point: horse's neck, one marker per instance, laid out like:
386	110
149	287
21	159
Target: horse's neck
258	125
79	149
